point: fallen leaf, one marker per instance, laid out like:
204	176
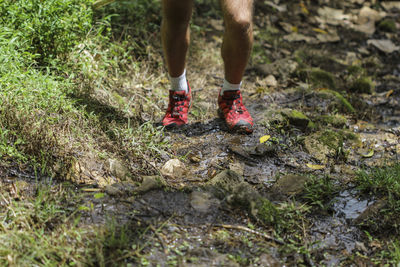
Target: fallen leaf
315	166
389	93
320	31
264	138
369	154
304	8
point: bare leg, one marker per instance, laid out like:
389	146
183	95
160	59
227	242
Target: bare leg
175	33
238	37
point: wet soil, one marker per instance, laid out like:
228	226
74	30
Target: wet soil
191	225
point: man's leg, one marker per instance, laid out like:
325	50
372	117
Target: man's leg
175	36
238	37
236	48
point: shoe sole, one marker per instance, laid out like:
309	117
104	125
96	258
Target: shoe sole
241	127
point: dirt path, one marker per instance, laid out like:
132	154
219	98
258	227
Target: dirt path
324	90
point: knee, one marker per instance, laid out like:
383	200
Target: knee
240	23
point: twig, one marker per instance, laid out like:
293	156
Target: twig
243	228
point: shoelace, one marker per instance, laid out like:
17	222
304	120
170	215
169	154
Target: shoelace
177	102
232	104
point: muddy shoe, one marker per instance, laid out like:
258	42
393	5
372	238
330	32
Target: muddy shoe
235	114
178	107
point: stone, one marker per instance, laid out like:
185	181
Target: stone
335	120
237	167
174	169
118	169
203	201
290	184
323	144
385	45
226	180
296	118
149	183
362	85
371	212
271	81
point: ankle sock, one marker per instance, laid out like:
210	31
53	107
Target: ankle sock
179	83
227	86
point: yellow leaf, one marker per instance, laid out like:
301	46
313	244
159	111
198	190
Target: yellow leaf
315	166
389	93
304	8
295	29
164	80
320	31
264	138
369	154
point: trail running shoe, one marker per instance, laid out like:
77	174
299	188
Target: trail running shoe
178	107
235	114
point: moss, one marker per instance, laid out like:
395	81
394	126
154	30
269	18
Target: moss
331	139
363	85
322	78
387	25
297	118
334	120
342	100
355	70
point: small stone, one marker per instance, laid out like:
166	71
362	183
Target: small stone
271	81
174	168
112	191
290	184
118	170
202	201
226	180
149	183
296	118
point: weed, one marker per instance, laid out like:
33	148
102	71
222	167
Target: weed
319	191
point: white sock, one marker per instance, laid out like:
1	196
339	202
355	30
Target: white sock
227	86
179	83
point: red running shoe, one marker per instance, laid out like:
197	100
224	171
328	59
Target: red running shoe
178	107
235	114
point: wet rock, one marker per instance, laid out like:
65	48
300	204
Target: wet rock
362	85
113	191
203	201
265	149
338	101
297	118
149	183
226	180
335	120
174	168
290	184
271	117
318	78
118	169
372	212
323	144
281	69
120	189
237	167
